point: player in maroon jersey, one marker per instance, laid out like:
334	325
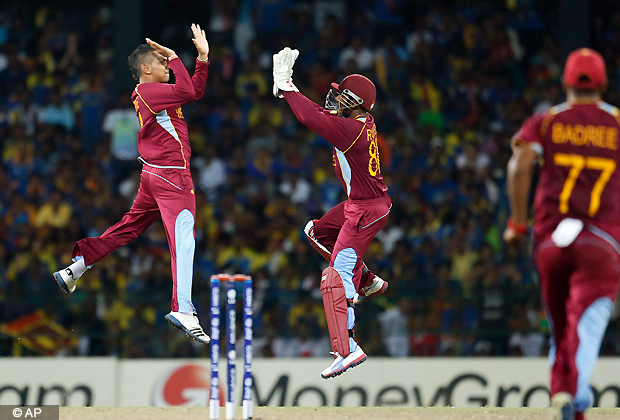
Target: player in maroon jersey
166	187
576	225
344	233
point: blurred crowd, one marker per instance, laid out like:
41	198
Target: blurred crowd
455	80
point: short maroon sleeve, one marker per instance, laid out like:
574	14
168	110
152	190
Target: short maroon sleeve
530	131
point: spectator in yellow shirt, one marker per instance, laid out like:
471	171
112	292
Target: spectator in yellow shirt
55	213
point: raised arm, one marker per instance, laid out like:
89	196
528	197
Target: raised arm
199	79
160	96
334	129
202	63
337	131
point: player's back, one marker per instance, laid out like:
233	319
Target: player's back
579	175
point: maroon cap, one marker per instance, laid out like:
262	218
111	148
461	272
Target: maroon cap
585	69
360	85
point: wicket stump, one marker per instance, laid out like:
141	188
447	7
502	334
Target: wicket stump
231	334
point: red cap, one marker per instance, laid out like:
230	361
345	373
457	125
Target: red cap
585	69
362	86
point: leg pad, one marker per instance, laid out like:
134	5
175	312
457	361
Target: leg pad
336	310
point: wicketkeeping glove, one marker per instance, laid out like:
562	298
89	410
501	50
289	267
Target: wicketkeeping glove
283	71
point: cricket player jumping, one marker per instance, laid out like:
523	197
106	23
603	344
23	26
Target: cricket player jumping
166	187
577	223
344	233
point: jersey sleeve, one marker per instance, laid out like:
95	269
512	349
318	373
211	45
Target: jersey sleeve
531	133
160	96
340	132
199	80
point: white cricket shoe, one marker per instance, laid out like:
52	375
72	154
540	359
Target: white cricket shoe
66	280
378	286
342	364
189	324
564	409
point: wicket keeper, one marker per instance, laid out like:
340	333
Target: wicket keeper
344	233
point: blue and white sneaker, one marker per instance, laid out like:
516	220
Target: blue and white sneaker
189	324
564	408
378	286
342	364
66	280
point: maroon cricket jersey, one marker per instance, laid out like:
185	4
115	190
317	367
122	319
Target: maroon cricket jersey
356	151
579	176
163	140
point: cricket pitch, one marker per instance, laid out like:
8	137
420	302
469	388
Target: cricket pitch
325	413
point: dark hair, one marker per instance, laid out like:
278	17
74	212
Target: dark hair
137	58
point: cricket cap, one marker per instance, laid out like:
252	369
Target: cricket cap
585	69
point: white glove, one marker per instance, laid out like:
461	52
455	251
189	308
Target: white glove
283	71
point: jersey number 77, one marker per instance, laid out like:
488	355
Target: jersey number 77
577	163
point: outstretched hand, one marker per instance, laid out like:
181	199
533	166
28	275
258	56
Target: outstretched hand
288	57
166	52
200	41
283	71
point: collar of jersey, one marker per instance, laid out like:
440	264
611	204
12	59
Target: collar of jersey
584	101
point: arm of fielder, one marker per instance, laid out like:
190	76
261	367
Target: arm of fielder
520	168
200	41
199	79
165	51
159	96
